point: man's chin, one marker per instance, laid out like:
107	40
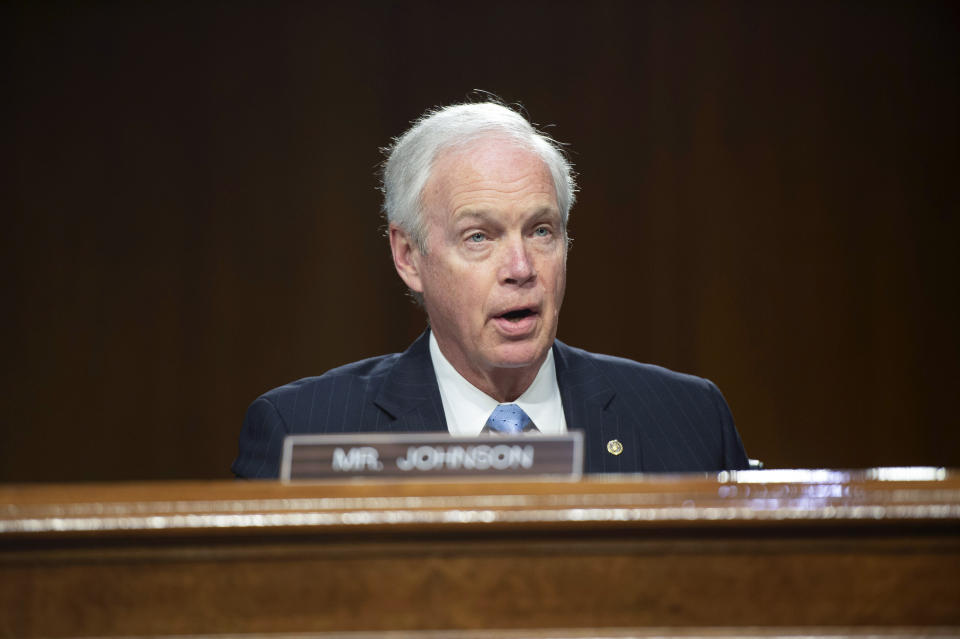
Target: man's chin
520	355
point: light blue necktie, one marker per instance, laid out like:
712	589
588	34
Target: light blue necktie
508	419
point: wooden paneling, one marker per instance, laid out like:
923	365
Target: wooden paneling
190	213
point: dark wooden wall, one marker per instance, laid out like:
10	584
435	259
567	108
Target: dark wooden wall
190	215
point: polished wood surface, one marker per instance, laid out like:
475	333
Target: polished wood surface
767	550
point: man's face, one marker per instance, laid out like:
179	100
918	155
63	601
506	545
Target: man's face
495	270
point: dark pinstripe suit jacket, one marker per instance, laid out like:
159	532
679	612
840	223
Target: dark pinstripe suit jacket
666	421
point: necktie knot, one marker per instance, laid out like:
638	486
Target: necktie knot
509	419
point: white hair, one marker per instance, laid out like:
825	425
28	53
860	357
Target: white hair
411	157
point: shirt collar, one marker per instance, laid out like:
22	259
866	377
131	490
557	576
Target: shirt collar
467	407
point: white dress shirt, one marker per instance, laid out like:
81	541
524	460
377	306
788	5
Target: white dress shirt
467	407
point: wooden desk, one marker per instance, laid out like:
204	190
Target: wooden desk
764	553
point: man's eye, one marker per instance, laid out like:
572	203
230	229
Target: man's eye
541	231
477	237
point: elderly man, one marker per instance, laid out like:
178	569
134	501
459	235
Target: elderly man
477	202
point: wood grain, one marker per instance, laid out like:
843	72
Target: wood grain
678	552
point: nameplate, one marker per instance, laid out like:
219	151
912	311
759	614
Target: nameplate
412	455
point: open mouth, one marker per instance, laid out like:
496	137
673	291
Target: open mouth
517	315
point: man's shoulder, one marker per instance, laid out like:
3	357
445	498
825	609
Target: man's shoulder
338	401
621	371
370	371
358	381
680	422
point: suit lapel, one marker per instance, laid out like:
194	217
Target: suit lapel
410	397
589	406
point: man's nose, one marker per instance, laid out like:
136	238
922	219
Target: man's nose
517	267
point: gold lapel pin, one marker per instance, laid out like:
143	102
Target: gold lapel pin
614	447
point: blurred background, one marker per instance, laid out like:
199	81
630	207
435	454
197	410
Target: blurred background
190	211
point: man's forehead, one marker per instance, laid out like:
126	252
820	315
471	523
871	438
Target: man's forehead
488	154
493	168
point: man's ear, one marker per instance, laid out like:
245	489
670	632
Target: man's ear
406	258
